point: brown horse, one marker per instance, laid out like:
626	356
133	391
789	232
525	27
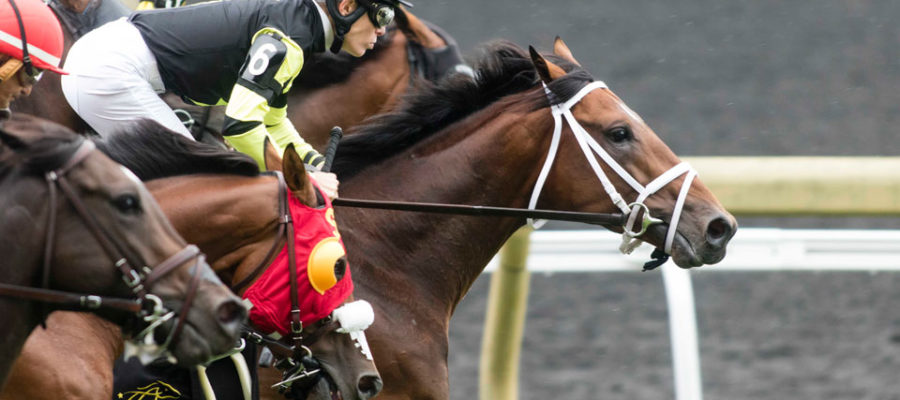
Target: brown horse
98	225
485	142
332	89
244	204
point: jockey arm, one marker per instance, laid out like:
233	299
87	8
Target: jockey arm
257	107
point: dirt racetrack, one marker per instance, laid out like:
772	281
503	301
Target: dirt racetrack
785	335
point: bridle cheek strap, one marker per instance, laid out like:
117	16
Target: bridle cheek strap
135	279
591	149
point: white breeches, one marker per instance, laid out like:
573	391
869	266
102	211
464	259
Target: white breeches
113	80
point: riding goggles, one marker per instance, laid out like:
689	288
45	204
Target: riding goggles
25	73
30	76
380	14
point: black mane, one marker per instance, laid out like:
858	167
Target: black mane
504	69
152	151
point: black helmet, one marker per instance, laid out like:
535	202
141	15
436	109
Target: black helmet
381	12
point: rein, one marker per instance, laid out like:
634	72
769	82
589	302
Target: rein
145	305
614	219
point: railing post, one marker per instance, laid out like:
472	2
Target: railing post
505	321
683	333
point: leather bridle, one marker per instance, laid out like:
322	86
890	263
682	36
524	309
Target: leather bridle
296	360
589	146
145	305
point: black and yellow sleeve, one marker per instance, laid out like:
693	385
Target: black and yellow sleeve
257	107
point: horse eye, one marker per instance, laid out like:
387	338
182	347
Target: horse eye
619	135
340	268
127	203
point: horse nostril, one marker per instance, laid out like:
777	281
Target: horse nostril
719	231
369	386
230	311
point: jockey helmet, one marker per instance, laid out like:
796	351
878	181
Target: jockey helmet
381	12
30	33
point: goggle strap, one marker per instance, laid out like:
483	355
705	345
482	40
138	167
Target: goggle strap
26	58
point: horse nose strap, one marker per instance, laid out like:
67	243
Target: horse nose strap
186	305
187	253
590	147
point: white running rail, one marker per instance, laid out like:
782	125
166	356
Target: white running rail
752	249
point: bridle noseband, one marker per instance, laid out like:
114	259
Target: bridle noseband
587	144
146	306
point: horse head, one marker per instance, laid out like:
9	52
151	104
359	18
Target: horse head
103	234
668	208
339	344
339	348
218	200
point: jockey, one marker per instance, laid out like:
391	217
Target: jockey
241	53
28	25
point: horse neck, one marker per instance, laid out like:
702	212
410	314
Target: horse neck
484	161
232	219
20	321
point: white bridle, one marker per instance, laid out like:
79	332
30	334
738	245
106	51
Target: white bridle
630	239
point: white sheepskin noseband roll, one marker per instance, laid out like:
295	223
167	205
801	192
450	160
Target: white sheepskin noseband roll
355	316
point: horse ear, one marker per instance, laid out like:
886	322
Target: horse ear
417	31
560	49
271	158
296	177
546	69
12	141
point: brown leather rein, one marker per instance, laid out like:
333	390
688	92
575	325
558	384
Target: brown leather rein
147	306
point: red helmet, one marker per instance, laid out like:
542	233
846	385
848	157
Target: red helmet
43	34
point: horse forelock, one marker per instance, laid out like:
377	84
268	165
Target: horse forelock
48	145
504	69
152	151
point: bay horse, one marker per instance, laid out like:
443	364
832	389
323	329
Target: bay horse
492	142
81	233
245	204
